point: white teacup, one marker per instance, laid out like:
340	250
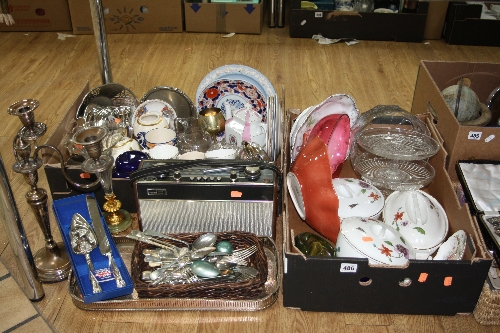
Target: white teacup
160	136
223	153
163	152
192	155
124	145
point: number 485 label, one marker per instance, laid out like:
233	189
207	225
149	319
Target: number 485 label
475	135
348	268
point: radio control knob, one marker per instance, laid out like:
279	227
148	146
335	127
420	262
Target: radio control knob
205	178
212	178
233	176
252	172
177	175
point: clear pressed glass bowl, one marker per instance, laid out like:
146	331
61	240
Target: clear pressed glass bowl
397	143
395	175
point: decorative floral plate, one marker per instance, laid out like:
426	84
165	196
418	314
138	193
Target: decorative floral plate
157	105
238	72
238	93
336	104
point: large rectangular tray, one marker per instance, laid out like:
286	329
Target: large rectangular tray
133	302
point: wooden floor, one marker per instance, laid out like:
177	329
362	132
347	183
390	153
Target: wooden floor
53	71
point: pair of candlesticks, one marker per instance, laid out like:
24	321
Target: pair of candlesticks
52	261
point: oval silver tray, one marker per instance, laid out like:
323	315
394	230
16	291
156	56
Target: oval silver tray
133	302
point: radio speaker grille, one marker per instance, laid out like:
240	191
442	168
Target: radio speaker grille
181	216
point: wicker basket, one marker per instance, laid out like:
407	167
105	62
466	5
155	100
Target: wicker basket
487	311
206	289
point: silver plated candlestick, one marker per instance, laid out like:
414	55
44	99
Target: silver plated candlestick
52	261
91	139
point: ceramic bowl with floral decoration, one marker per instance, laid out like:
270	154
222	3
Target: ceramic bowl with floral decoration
358	198
419	217
369	238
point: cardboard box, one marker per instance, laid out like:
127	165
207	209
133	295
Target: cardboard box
228	17
129	16
38	15
321	284
460	142
400	27
463	26
435	19
59	187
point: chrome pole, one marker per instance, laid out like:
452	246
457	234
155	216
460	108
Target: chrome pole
272	14
101	40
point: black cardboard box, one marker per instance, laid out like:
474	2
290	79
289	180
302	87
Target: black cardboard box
400	27
460	142
59	187
464	26
424	287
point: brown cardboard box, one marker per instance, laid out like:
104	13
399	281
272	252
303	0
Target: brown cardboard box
129	16
321	284
460	142
435	19
224	17
38	15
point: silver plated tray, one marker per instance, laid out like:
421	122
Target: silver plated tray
133	302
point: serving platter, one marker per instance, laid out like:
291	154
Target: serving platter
175	97
133	302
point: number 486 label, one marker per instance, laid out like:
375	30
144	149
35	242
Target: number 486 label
348	268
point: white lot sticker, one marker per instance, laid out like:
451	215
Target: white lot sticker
318	14
348	268
475	135
488	139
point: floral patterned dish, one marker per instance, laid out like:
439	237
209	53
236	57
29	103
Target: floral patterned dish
336	104
419	217
369	238
238	72
238	93
358	198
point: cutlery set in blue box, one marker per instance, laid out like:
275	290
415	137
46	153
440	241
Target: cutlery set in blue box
97	265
